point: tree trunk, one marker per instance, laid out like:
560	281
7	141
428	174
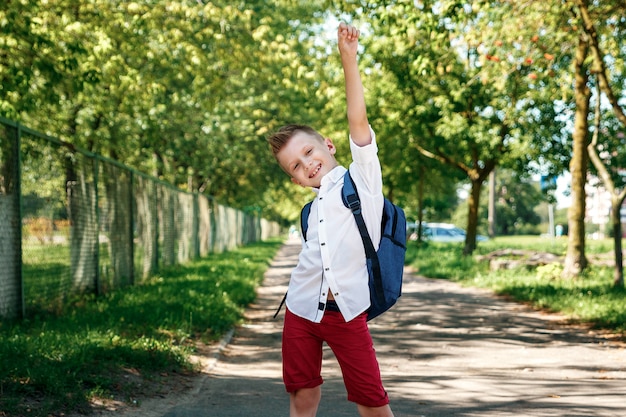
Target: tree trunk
420	205
147	203
81	209
616	205
11	284
575	260
617	198
472	218
119	218
492	204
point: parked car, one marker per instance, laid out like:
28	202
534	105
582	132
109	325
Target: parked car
441	232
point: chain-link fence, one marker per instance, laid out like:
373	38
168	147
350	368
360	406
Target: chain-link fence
73	223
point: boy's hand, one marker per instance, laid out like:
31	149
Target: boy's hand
347	39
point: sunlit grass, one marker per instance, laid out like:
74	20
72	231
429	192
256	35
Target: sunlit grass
591	298
55	364
556	245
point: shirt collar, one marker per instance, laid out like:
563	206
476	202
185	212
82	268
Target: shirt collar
331	178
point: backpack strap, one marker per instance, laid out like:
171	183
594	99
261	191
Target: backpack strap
281	305
304	218
351	200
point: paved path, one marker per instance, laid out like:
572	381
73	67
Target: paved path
444	350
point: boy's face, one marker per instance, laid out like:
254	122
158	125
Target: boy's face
307	159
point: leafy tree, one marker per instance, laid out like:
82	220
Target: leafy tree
467	92
601	27
184	90
188	90
33	60
423	187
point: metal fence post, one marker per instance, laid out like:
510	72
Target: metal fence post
98	215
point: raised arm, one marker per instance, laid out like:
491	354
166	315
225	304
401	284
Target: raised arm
348	42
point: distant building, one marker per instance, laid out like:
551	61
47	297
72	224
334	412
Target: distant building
598	207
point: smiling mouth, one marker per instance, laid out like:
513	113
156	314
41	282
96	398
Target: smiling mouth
314	173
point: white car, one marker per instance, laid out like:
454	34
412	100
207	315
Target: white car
445	232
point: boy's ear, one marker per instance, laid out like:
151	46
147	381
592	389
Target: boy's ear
331	146
295	181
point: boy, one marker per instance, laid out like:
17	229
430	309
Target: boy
328	293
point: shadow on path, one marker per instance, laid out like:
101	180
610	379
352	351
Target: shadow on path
444	350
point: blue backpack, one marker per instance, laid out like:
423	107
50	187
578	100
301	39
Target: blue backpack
385	266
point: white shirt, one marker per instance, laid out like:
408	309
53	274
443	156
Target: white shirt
332	256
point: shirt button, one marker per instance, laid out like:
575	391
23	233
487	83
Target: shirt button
326	269
323	243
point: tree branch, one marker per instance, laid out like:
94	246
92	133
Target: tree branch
593	153
601	69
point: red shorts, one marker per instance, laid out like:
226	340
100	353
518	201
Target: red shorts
350	342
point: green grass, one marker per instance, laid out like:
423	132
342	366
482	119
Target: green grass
47	275
590	299
56	364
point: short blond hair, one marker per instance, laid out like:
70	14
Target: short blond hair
279	139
